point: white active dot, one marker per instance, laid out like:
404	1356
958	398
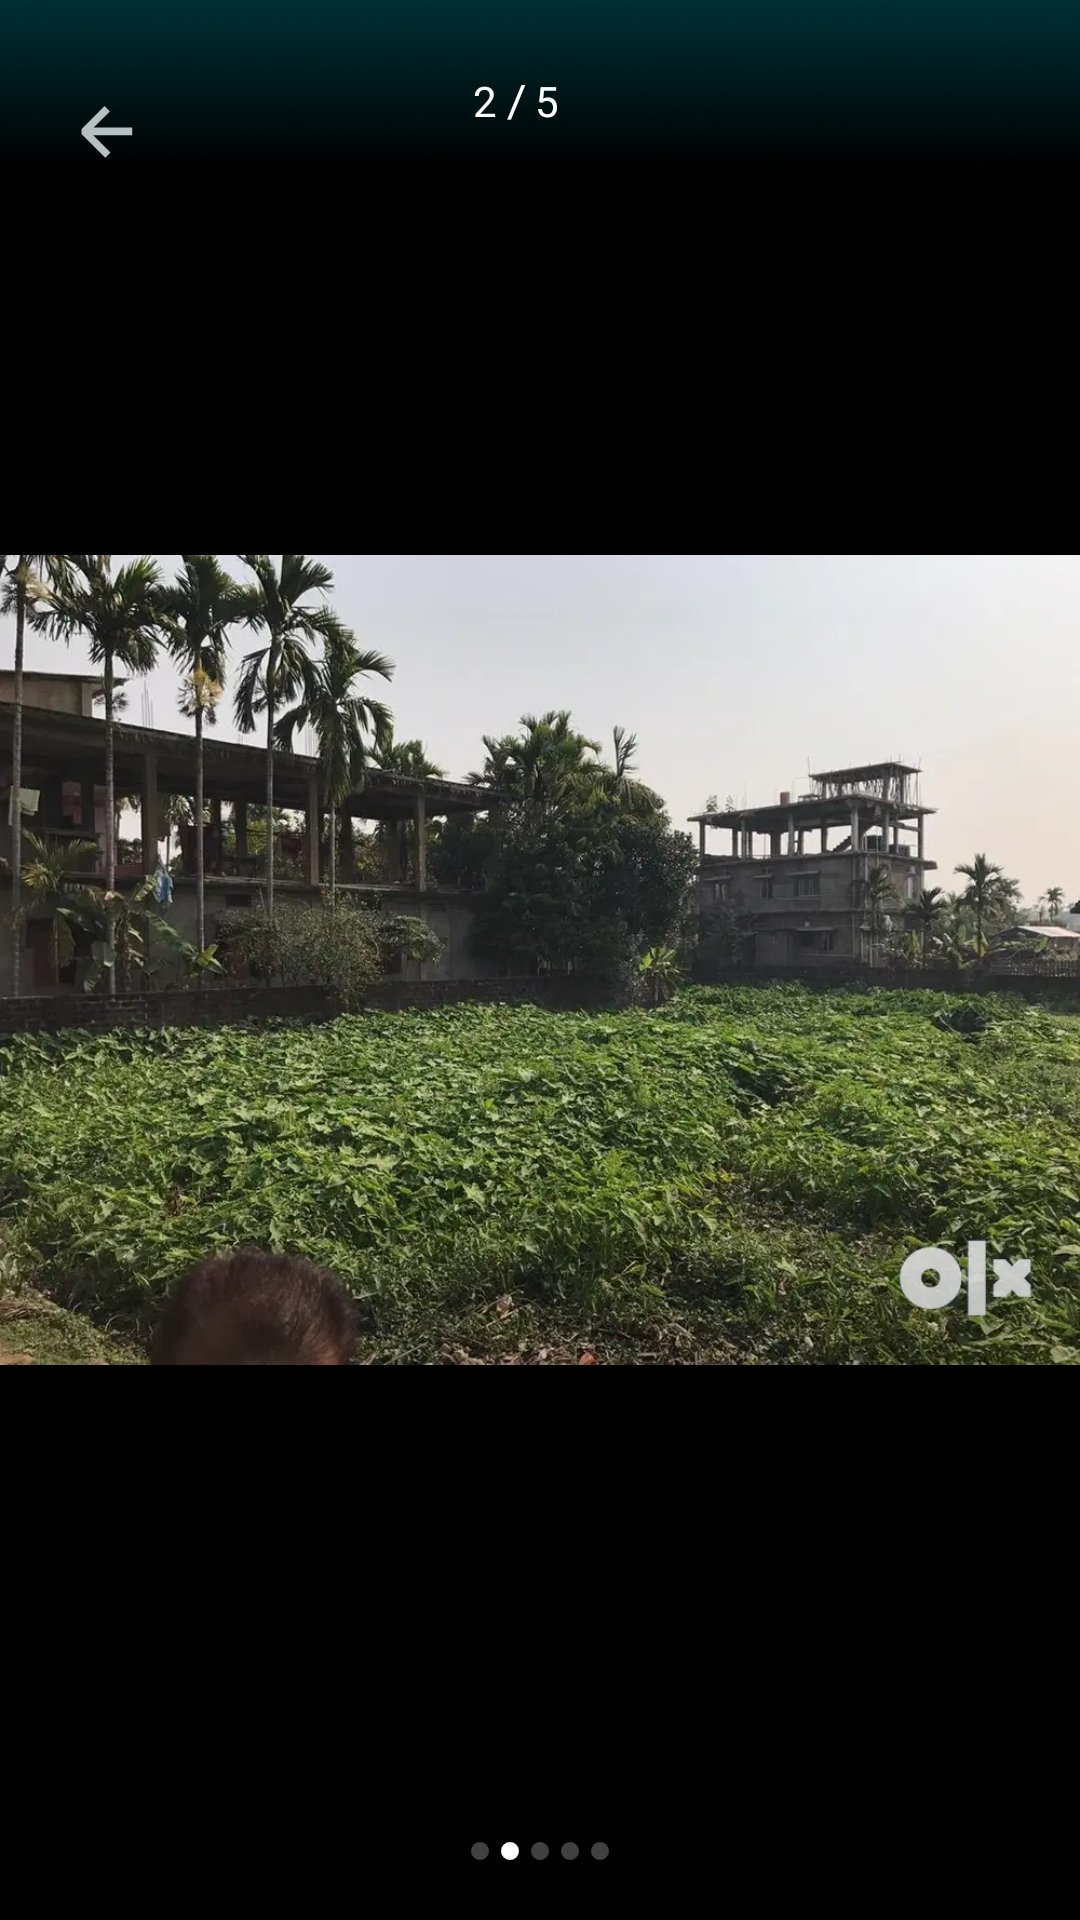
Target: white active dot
509	1851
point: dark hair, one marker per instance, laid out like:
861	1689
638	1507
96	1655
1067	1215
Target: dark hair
254	1309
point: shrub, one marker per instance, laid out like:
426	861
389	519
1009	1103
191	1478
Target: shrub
340	948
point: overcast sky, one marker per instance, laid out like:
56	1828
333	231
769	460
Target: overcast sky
739	672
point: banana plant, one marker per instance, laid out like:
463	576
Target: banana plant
120	928
659	972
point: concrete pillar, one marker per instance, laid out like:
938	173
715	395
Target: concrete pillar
800	838
854	829
824	837
921	825
791	833
313	830
148	827
748	849
421	843
774	845
240	823
701	841
734	843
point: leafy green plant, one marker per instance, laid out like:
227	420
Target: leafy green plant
748	1164
658	969
342	948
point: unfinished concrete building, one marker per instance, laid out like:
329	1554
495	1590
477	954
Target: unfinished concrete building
796	900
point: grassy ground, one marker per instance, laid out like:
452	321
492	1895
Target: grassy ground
735	1179
34	1331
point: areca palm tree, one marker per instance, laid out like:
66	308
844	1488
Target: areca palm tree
197	610
27	579
630	795
929	911
121	617
983	893
544	766
877	895
278	606
341	720
1054	899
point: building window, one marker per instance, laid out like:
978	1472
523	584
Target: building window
766	889
815	940
720	889
806	885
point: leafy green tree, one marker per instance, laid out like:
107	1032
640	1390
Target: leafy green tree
1054	899
121	616
582	867
342	720
27	580
197	610
278	605
648	876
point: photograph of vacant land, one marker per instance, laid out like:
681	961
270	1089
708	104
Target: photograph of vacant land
542	1076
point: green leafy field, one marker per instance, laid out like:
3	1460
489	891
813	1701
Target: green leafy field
737	1177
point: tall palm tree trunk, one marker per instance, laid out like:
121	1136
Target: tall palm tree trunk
333	855
110	823
16	791
270	806
200	846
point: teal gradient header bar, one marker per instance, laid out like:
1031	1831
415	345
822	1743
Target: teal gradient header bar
327	79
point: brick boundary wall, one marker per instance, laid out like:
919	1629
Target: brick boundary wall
1031	986
226	1006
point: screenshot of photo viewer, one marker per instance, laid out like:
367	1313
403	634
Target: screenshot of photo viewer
572	1003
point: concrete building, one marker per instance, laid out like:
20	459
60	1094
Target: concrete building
56	692
63	797
799	899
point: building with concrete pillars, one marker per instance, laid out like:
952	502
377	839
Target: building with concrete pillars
796	875
63	798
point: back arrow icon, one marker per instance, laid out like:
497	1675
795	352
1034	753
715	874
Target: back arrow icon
94	127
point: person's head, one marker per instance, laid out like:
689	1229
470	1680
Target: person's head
254	1309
